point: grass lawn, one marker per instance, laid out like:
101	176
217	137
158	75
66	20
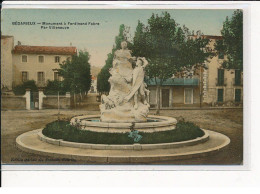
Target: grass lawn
63	130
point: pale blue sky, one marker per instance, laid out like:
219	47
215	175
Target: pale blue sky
98	40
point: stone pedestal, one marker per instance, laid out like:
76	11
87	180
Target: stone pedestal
41	96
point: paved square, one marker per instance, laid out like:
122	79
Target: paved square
226	121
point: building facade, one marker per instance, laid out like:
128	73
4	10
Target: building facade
221	86
7	45
210	86
177	92
39	63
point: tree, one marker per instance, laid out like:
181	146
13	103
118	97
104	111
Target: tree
53	87
168	48
156	42
76	73
21	89
102	79
232	43
103	76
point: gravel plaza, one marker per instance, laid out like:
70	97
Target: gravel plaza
226	121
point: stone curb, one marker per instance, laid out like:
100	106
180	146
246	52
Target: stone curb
196	141
163	124
125	159
164	121
117	130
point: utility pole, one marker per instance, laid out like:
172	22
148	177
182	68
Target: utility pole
58	105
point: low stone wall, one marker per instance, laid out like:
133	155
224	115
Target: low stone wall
51	102
13	102
135	146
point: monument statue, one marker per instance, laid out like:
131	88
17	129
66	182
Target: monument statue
128	97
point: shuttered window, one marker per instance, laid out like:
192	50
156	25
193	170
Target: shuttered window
237	77
57	77
40	59
24	76
220	95
237	95
24	58
57	59
220	77
40	77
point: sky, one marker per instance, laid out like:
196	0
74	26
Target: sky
98	40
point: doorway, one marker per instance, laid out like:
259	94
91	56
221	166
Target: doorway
165	98
188	96
34	100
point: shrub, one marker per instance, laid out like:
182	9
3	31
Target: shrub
63	130
53	87
20	89
187	130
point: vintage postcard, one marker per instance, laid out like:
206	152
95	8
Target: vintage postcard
114	85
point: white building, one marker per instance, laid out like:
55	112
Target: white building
7	45
39	63
213	86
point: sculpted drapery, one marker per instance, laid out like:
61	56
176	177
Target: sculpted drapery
128	97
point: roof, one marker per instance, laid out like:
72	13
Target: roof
44	50
4	36
176	82
209	37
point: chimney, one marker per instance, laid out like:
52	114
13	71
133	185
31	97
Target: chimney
19	43
70	44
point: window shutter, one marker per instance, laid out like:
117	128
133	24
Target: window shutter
237	77
220	95
220	77
237	95
43	76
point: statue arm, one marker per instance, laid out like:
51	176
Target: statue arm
132	59
145	62
115	60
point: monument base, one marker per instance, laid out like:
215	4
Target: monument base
125	114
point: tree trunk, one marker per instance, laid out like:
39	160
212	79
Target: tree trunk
75	100
58	105
81	98
200	84
158	90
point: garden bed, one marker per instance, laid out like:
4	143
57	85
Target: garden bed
63	130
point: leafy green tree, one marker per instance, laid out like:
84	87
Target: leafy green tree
168	47
232	43
53	87
102	79
103	76
76	73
